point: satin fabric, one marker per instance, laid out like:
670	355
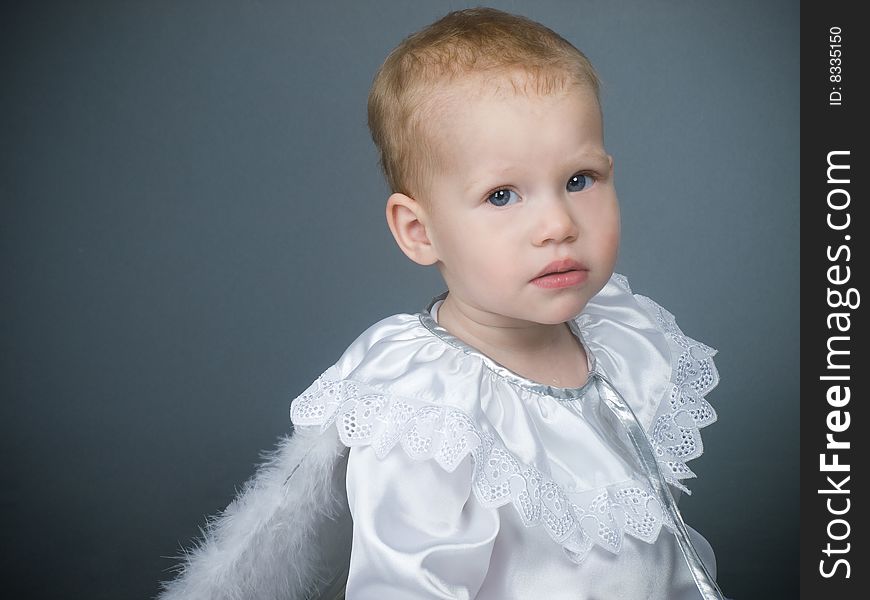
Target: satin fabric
420	531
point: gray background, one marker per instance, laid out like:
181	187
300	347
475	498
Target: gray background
192	230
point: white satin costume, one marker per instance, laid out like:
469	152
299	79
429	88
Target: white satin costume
465	480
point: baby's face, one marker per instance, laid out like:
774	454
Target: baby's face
524	188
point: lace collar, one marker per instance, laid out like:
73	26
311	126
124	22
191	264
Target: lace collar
624	333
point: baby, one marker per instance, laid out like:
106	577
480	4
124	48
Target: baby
517	438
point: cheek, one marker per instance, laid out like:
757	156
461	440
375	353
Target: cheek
612	227
471	257
611	241
484	262
608	236
495	273
475	245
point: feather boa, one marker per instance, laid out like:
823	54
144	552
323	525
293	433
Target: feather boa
286	536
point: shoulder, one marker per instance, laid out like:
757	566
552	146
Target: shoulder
402	357
388	334
398	384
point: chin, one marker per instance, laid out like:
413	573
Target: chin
564	311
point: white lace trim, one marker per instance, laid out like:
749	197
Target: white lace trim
364	416
675	432
425	431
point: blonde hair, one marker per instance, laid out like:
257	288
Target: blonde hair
466	42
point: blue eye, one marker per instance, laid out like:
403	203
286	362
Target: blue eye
502	197
579	182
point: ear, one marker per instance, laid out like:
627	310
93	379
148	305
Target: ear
407	220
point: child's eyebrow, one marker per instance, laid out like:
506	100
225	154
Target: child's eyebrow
593	155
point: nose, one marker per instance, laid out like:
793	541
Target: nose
555	223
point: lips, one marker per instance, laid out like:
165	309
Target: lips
560	274
561	266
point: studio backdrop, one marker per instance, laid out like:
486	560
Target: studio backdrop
193	229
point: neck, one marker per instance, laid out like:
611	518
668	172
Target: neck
504	339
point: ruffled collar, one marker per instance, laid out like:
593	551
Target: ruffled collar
635	343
